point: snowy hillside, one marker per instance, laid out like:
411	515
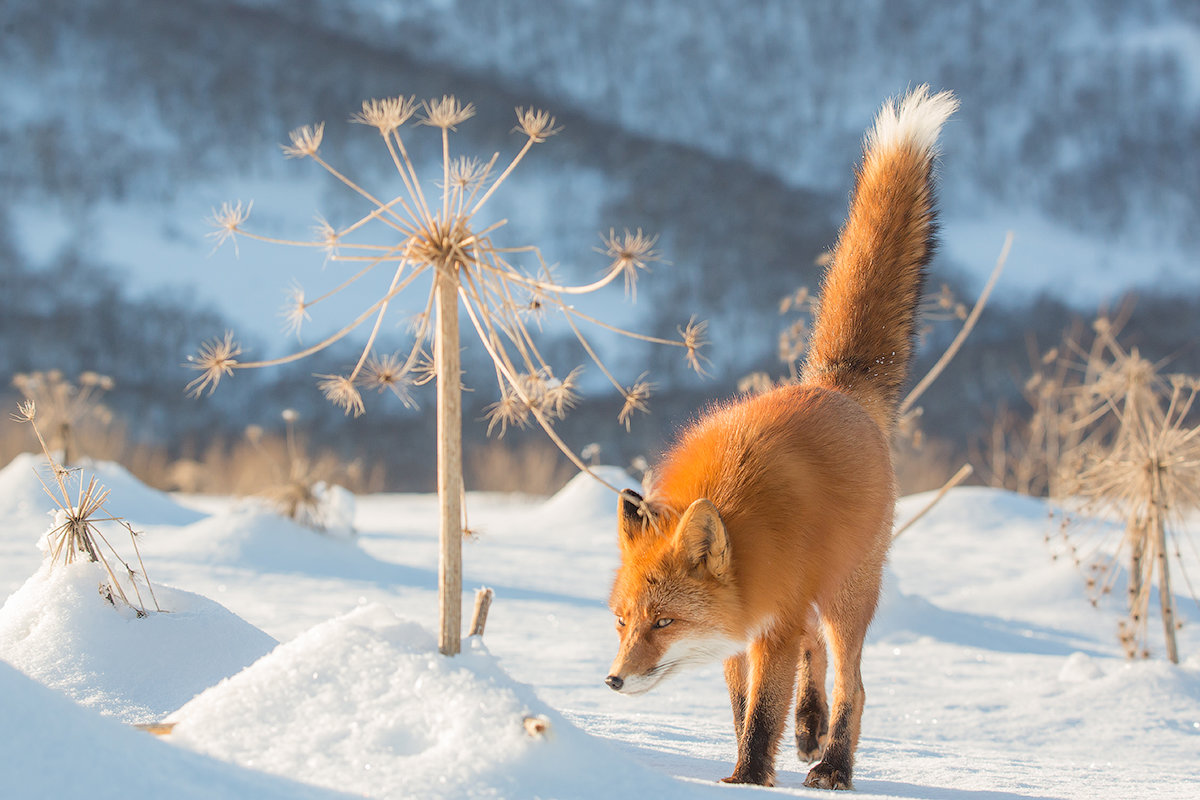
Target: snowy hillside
730	129
987	672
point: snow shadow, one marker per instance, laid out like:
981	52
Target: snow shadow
905	615
922	792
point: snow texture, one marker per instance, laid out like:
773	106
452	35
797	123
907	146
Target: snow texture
988	674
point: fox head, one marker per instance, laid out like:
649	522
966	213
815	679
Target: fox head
673	593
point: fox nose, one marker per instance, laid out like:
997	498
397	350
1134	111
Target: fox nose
614	683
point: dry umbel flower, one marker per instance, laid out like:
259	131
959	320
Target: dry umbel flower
442	242
1135	458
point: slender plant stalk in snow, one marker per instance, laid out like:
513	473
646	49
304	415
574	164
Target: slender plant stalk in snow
438	242
76	530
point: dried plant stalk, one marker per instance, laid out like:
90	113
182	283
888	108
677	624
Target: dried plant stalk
1136	461
439	242
76	531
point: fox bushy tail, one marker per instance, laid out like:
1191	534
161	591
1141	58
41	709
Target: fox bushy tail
865	328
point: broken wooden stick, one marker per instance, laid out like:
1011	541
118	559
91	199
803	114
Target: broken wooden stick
483	601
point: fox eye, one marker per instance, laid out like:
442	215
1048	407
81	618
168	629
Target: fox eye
664	622
620	622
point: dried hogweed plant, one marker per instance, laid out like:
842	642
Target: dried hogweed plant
439	241
77	533
63	405
1136	462
300	482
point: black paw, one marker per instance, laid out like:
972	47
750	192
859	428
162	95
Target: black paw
809	747
812	729
826	776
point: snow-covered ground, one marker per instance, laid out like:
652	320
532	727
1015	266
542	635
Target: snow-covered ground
988	674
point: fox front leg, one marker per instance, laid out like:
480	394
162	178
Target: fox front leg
771	674
735	677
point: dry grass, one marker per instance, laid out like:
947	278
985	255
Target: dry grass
1110	438
1128	449
79	513
64	406
535	468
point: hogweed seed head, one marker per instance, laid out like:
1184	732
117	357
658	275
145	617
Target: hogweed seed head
216	358
446	113
306	140
387	114
636	397
694	340
467	173
510	409
327	235
537	124
562	395
630	252
387	372
341	391
26	412
295	310
227	221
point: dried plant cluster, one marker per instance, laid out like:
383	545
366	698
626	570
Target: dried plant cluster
63	406
298	479
1125	441
500	288
76	530
440	241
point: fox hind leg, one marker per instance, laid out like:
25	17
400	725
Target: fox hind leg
846	624
812	710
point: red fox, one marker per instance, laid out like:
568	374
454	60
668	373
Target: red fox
764	530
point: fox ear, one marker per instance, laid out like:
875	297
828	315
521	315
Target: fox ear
630	520
703	538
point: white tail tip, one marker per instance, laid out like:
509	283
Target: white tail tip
914	119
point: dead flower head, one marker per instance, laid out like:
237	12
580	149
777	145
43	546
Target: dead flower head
630	252
227	221
636	397
510	409
387	114
387	372
295	310
538	125
446	113
306	140
342	392
694	340
216	359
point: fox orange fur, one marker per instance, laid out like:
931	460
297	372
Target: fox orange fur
762	537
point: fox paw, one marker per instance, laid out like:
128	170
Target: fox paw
809	747
747	776
826	776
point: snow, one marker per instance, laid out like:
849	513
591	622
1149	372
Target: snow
58	629
988	673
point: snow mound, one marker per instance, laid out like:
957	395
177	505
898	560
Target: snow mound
584	496
51	747
251	536
58	629
365	703
22	495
